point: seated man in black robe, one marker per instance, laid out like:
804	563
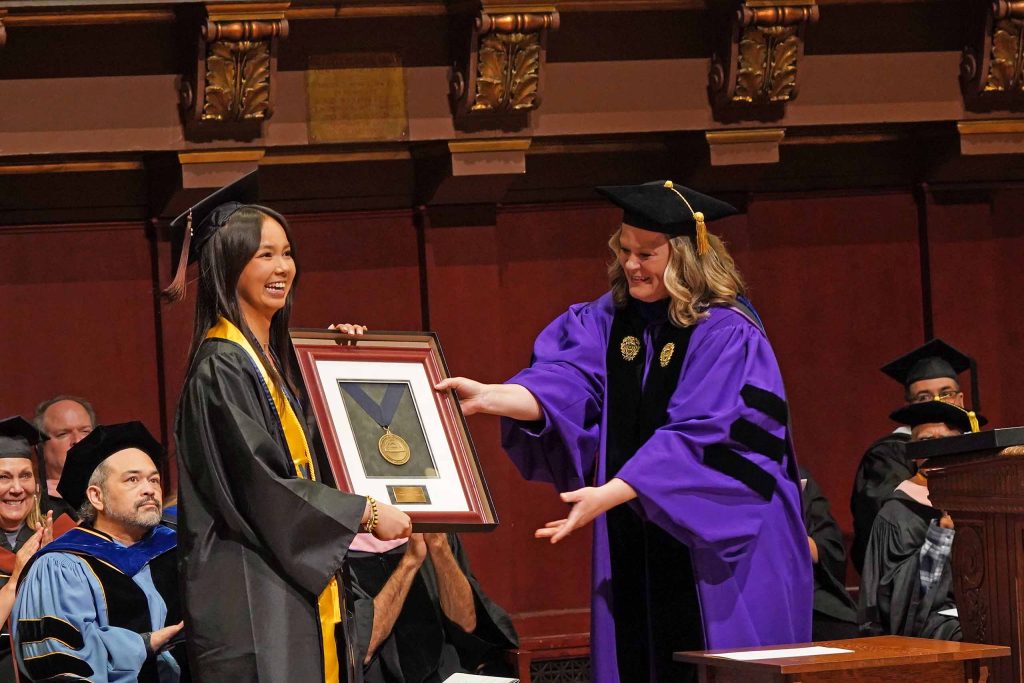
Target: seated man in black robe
927	372
906	584
420	614
835	615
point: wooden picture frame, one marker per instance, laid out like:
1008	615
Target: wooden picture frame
366	390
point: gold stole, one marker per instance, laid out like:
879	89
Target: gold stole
329	602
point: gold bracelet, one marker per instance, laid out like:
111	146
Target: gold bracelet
374	515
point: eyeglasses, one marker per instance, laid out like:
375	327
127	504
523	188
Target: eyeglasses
948	396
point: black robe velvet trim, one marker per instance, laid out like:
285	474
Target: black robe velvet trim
57	666
654	594
765	402
38	630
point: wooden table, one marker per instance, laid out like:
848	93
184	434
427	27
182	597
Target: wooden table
884	658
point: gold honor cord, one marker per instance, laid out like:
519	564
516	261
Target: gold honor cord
329	601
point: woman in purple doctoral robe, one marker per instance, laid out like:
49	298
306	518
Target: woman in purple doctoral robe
658	411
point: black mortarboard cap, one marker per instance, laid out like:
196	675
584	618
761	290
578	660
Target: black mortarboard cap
17	437
928	412
933	360
101	443
191	230
663	206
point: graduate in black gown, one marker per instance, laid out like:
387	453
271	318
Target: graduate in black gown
835	614
927	372
263	533
906	583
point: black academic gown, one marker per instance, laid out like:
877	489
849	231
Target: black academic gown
258	544
891	602
882	468
835	615
424	646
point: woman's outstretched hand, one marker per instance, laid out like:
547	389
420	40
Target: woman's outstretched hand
507	400
587	503
472	394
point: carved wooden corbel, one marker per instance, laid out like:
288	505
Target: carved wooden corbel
503	70
759	66
236	62
992	70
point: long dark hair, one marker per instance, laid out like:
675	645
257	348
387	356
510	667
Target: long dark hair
221	262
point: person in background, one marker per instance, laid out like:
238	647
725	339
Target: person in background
25	528
906	584
420	613
927	372
65	420
835	614
101	602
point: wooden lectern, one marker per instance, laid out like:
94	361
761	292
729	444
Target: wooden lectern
979	480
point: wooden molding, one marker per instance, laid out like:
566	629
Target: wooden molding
758	66
3	29
221	156
91	166
994	136
235	64
501	72
752	146
490	145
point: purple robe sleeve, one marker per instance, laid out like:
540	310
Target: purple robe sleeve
699	505
567	378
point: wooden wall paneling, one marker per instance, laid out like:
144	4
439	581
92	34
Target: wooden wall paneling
492	288
357	267
78	319
976	246
836	280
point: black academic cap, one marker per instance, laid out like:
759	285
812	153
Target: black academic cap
928	412
17	437
663	206
191	230
933	360
101	443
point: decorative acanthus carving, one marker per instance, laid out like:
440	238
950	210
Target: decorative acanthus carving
993	68
236	63
503	72
760	66
969	551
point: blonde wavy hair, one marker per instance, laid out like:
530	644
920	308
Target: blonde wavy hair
694	282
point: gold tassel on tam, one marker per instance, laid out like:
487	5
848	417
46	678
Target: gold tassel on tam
703	246
972	416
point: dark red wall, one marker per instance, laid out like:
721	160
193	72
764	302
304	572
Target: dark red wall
838	280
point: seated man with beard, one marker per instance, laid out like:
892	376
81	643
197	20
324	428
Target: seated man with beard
95	603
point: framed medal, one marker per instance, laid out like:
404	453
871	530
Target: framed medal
388	433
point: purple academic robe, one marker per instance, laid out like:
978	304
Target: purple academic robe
750	556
